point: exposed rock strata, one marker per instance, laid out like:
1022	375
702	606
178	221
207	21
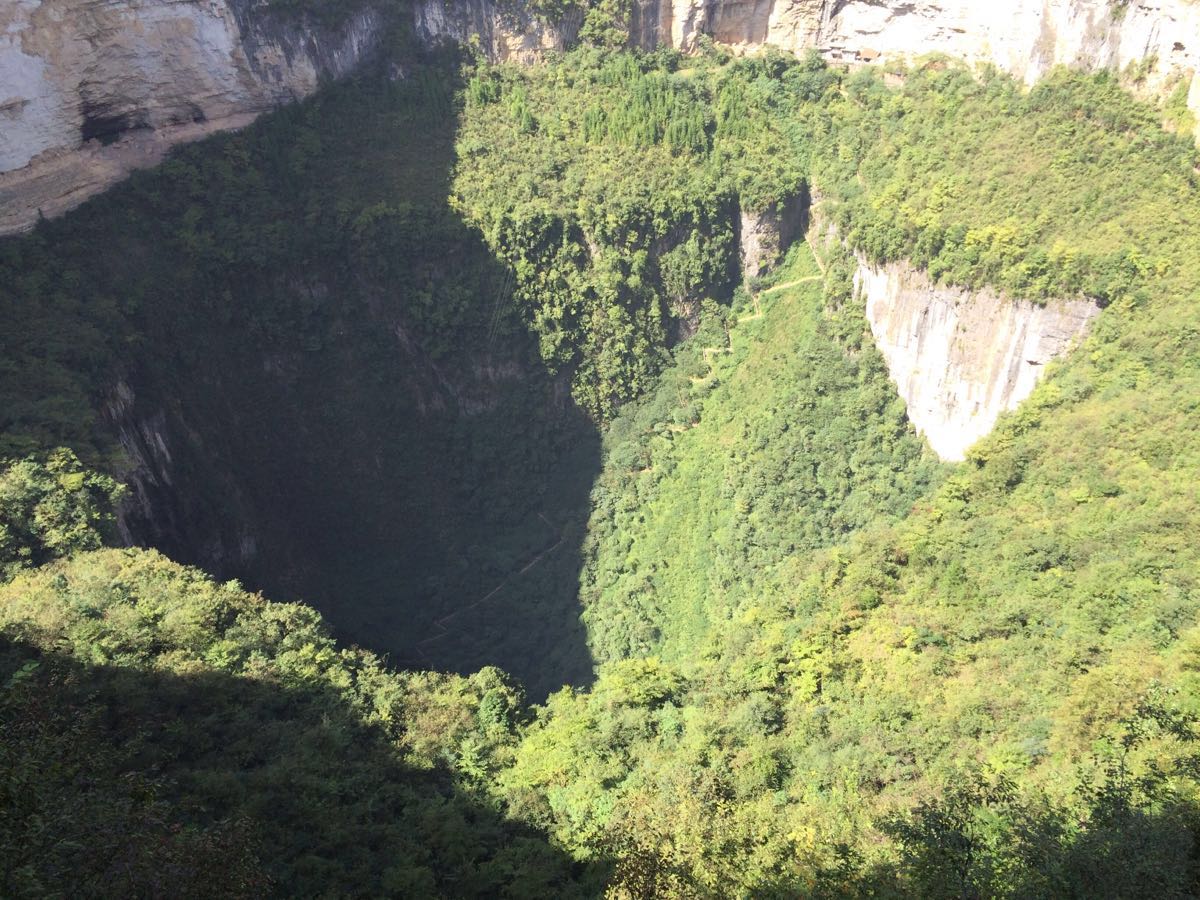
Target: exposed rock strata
502	31
764	236
960	358
91	89
1025	37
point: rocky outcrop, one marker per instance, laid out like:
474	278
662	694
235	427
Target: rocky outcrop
90	89
502	31
1025	37
155	511
764	236
742	24
1028	37
960	358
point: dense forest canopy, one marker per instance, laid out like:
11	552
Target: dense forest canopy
804	657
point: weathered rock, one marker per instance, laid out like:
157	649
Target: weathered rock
502	32
764	236
1025	37
959	358
1028	37
91	89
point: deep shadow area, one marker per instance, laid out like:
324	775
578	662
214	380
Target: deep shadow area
123	781
319	376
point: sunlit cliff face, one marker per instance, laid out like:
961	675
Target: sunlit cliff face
959	358
89	92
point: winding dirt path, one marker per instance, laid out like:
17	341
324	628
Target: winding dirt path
442	624
787	284
709	352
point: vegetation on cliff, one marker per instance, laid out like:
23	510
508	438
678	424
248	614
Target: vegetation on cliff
164	734
298	324
610	184
775	432
826	665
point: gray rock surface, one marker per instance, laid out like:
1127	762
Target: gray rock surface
959	358
90	89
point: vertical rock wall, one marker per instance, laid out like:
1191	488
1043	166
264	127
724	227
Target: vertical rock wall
764	236
959	358
502	32
1025	37
90	89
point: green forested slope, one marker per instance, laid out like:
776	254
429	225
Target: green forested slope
611	184
167	735
1022	610
163	734
828	666
1069	187
324	344
328	354
775	432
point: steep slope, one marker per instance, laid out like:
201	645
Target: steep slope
965	696
286	342
1019	623
1026	37
775	433
164	734
616	187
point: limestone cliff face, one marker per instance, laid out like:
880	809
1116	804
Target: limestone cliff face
764	236
959	358
90	89
1028	37
744	24
501	31
1025	37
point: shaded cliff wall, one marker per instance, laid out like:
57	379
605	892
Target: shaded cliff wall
764	236
90	90
959	358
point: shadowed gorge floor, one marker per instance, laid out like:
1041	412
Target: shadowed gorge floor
322	380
